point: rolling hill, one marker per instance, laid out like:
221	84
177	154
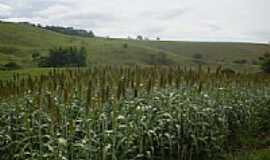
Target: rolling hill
18	41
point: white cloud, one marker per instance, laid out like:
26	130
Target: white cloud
5	10
223	20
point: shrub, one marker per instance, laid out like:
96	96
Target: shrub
197	56
159	59
228	71
64	57
254	62
8	50
241	61
266	66
71	31
266	55
125	45
139	37
2	68
12	66
265	62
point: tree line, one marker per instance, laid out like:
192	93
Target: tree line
71	31
64	30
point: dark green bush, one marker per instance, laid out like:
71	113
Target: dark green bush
64	57
125	45
266	66
12	66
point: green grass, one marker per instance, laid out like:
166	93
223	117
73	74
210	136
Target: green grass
263	154
7	75
19	41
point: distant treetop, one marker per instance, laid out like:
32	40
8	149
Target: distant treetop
64	30
71	31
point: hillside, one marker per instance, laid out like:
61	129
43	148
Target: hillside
19	41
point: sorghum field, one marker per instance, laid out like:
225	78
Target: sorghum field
139	113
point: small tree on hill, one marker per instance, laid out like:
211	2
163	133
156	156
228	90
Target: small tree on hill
64	57
12	66
139	37
197	56
265	65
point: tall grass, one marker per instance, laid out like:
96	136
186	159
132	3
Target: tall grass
130	113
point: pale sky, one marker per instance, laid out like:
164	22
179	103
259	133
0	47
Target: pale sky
195	20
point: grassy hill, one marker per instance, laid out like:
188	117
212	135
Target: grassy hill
19	41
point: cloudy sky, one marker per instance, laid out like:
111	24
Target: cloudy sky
197	20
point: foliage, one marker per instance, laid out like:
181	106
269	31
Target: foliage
227	71
11	66
265	62
71	31
197	56
8	49
160	59
125	45
266	66
139	37
135	113
262	154
64	57
242	61
36	57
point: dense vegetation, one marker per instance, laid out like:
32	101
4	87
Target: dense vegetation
71	31
133	113
63	57
265	62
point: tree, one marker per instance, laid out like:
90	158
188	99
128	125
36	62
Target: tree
266	55
125	45
64	57
35	55
197	56
12	66
139	37
158	39
159	59
265	62
266	66
71	31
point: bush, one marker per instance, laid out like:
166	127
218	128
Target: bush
266	66
241	61
254	62
228	71
125	45
198	56
64	57
71	31
159	59
2	68
266	55
139	37
8	50
12	66
265	62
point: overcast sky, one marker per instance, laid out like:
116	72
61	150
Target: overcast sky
197	20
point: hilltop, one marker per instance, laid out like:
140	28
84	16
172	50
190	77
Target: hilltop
19	41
